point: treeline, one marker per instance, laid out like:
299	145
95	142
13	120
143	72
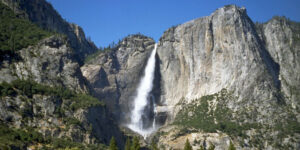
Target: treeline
12	138
135	145
17	33
112	46
29	88
100	50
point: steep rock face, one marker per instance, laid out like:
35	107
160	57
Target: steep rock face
281	37
44	15
53	62
205	55
41	112
223	52
50	62
50	116
114	75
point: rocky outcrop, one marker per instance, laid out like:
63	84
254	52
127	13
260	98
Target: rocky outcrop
41	112
51	116
53	62
45	16
50	62
223	51
114	75
171	140
205	55
281	38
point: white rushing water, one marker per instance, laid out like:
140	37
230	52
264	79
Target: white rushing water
141	99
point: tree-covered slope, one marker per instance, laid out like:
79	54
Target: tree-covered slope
17	33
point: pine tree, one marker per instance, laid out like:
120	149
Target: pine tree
154	145
231	146
201	147
187	145
128	144
113	144
135	144
211	147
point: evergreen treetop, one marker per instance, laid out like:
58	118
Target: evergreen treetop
113	144
231	146
187	145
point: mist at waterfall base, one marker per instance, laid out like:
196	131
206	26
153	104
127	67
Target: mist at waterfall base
143	113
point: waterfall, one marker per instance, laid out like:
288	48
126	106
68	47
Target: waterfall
141	101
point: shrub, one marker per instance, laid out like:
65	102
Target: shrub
84	101
18	137
187	145
113	144
29	88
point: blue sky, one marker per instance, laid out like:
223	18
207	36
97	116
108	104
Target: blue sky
106	21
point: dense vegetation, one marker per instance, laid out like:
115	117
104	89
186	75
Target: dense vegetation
200	115
187	145
113	144
26	136
203	117
17	137
107	49
17	33
12	138
90	57
29	88
133	144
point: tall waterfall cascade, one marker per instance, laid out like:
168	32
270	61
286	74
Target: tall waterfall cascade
141	120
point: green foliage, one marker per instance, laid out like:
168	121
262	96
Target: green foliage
17	33
154	145
6	89
128	144
84	101
11	138
113	144
71	121
135	144
67	144
203	117
231	146
200	118
288	127
201	147
211	147
187	145
95	54
109	48
18	137
29	88
57	143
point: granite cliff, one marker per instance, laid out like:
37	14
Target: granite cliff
114	75
218	79
45	16
45	100
225	65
